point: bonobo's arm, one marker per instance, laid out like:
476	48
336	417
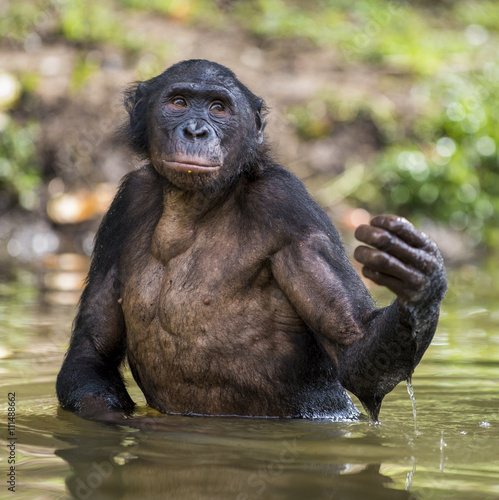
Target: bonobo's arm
90	382
409	263
374	349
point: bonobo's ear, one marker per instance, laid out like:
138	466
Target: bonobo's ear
137	111
135	133
260	123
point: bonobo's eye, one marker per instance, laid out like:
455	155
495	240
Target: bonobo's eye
177	102
218	107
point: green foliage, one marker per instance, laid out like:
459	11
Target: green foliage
80	21
311	121
18	18
19	170
95	21
391	32
89	21
184	11
168	7
84	68
445	163
484	13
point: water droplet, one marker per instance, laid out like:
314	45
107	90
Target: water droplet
410	391
443	444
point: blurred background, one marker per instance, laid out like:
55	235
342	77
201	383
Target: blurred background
378	106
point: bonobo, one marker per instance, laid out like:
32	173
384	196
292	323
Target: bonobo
226	286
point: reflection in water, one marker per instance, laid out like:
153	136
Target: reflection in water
410	474
443	444
220	458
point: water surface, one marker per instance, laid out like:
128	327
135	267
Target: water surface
453	454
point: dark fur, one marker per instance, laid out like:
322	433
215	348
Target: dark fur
230	292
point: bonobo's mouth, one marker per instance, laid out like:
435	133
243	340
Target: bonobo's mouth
189	164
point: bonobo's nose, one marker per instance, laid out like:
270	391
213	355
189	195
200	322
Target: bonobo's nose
195	129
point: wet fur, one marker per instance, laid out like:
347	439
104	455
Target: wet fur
230	293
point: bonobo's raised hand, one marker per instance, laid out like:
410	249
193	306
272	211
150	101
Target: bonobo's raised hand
402	258
408	263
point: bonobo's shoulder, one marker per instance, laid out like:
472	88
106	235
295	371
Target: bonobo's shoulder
139	191
273	172
136	207
285	201
281	186
139	196
144	177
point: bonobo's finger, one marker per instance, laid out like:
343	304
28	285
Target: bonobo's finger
404	230
382	262
398	287
388	242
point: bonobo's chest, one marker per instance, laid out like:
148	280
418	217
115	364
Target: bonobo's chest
194	276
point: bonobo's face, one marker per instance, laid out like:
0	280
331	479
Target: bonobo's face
200	129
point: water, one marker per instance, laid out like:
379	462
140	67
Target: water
410	391
451	454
